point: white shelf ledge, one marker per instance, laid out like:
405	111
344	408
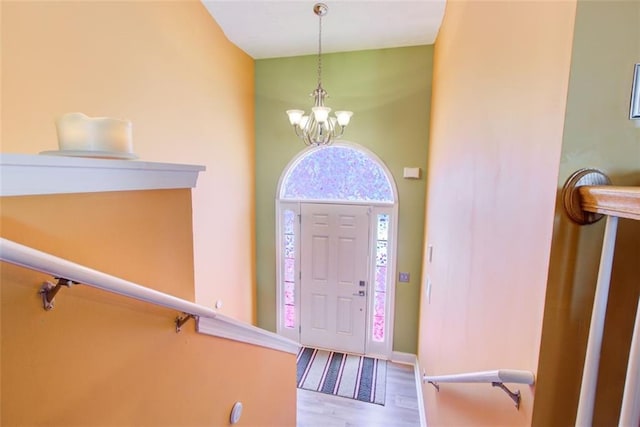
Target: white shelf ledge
26	174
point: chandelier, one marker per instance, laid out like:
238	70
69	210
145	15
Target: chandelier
317	128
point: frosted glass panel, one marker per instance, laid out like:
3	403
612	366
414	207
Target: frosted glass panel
383	227
380	289
378	328
289	218
289	293
381	278
381	253
289	261
289	316
289	248
337	173
289	269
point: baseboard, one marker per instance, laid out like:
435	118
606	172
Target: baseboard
403	358
418	375
412	359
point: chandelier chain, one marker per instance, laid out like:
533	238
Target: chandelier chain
320	50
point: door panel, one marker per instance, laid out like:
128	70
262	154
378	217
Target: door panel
320	250
334	260
345	308
318	310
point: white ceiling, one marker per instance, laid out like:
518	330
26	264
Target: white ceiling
279	28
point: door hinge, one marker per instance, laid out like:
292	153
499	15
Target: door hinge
299	218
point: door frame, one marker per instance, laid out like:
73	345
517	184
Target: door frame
372	348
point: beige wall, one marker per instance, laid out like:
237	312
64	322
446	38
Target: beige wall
168	67
500	85
598	134
102	359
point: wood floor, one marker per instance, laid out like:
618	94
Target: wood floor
400	410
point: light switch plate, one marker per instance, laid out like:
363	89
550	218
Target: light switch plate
404	277
411	173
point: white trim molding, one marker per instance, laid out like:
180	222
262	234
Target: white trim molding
418	374
412	360
26	174
404	358
226	327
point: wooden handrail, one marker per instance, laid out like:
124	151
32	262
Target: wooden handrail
623	202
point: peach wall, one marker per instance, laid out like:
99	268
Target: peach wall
102	359
500	87
168	67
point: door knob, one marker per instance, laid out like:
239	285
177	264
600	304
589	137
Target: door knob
359	294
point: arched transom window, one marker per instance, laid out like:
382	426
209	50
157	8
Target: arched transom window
337	173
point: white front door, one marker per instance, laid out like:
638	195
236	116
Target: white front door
334	254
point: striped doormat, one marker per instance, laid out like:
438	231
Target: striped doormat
356	377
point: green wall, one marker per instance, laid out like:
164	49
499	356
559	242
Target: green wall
389	91
597	134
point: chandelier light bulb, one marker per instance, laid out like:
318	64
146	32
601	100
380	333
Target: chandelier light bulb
321	114
295	116
317	128
344	117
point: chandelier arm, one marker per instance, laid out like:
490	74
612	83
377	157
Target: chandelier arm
298	130
339	131
334	131
309	130
313	131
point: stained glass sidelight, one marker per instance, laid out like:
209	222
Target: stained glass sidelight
289	218
380	289
337	173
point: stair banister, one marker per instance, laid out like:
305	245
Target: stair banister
630	410
587	197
